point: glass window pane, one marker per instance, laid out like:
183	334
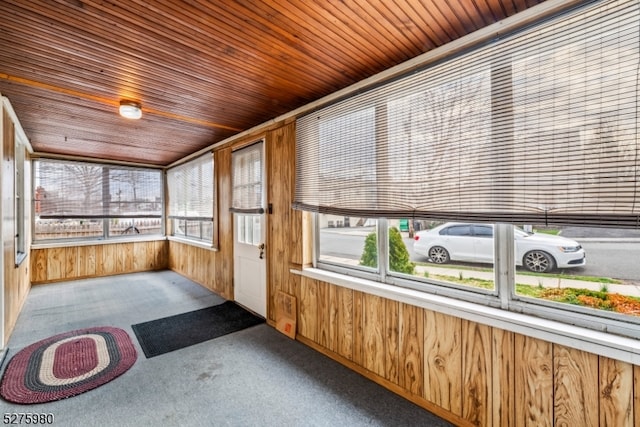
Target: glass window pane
459	254
592	267
241	228
348	241
45	229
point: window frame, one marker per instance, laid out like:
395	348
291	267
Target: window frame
203	222
105	234
502	297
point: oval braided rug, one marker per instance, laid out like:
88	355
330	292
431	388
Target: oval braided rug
67	364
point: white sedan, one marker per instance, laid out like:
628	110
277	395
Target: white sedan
474	243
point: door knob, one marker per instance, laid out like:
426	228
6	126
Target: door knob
261	247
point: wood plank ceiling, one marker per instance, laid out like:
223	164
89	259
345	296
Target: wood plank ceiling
202	70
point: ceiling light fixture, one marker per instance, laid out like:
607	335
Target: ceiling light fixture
130	109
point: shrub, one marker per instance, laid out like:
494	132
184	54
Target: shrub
399	260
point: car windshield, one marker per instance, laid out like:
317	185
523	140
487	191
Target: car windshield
519	232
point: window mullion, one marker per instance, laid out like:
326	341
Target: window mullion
504	262
383	248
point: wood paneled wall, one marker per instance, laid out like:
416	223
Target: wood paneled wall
466	372
211	269
78	262
16	279
470	373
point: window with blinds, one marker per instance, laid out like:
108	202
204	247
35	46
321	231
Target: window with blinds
538	127
191	199
78	200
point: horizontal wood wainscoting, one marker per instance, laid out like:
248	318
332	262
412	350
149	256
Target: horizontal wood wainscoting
78	262
464	371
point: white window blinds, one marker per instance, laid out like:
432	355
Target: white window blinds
82	190
191	190
539	127
247	172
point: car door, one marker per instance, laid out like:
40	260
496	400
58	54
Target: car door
483	243
458	241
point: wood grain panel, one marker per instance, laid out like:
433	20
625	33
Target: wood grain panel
223	267
72	262
358	327
345	322
324	315
308	319
616	393
56	264
503	398
575	387
87	261
373	337
392	341
443	361
533	382
477	367
39	265
411	332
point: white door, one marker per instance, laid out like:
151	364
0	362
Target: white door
248	202
249	267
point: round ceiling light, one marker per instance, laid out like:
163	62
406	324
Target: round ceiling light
130	110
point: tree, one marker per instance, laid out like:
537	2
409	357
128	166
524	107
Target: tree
398	254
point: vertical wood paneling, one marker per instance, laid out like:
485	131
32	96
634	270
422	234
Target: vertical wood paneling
72	262
76	262
307	321
373	333
575	387
56	264
503	401
533	382
616	393
324	315
223	259
283	233
476	373
334	327
86	261
411	332
358	328
39	265
345	322
392	340
443	361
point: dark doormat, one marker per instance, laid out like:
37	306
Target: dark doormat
164	335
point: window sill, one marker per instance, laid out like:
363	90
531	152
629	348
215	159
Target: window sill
72	243
202	245
600	343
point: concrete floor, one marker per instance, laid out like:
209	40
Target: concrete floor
254	377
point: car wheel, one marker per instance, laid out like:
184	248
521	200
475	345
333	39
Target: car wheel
538	261
438	255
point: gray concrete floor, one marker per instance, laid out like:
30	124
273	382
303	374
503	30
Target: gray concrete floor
254	377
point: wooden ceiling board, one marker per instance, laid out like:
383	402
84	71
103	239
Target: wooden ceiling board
202	70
